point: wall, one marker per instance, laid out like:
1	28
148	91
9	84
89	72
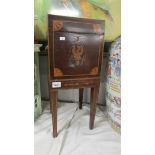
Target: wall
108	10
37	95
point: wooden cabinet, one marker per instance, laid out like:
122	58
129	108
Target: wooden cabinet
75	57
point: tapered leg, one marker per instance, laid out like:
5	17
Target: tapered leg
94	97
53	102
50	98
50	103
80	97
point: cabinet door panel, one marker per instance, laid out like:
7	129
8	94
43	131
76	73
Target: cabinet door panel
76	54
75	47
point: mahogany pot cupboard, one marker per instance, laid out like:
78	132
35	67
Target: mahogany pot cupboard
75	52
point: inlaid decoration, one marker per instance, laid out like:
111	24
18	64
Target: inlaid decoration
94	71
57	25
77	52
97	28
57	72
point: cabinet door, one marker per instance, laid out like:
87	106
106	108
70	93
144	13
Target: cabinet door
75	47
76	54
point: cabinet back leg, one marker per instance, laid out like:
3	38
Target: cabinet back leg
80	97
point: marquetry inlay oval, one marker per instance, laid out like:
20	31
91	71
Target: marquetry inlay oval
77	52
58	72
97	28
57	25
94	71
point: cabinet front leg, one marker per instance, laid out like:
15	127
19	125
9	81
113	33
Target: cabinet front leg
93	101
50	97
54	111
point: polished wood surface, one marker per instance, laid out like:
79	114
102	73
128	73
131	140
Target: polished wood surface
73	44
53	100
93	101
75	51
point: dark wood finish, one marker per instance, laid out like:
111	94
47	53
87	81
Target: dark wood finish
80	97
83	42
93	101
54	111
50	96
75	51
